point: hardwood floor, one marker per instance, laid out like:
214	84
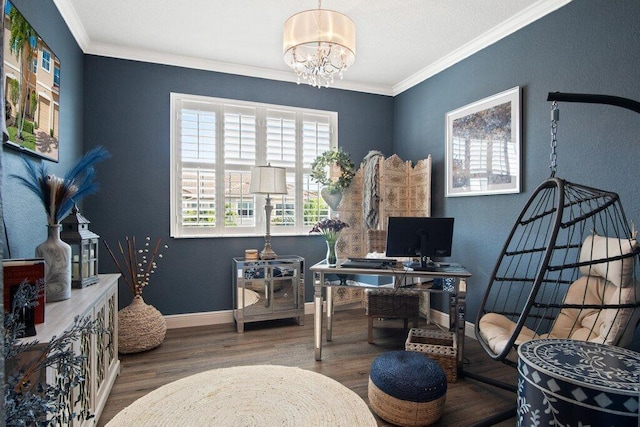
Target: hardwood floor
346	359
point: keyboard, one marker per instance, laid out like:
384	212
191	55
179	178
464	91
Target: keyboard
435	268
387	261
364	264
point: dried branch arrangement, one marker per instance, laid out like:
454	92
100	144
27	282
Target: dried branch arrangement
136	265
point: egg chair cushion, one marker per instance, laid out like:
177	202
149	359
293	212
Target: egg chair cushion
619	272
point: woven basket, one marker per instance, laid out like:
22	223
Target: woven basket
140	327
439	345
392	303
403	412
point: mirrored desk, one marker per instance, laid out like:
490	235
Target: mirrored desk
329	277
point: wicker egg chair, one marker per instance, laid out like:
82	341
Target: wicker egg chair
567	270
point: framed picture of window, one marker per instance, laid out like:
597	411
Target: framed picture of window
483	146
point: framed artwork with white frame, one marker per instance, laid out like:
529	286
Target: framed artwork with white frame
483	146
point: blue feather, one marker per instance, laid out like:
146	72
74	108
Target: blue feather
92	157
77	183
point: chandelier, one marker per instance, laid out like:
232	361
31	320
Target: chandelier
319	43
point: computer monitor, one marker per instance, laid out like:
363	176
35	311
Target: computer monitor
424	237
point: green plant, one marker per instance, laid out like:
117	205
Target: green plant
27	400
14	91
33	103
331	159
28	127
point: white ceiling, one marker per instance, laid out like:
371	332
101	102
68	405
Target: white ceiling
399	43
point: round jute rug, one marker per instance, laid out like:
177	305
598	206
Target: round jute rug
264	395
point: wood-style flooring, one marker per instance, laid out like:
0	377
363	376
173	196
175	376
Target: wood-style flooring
347	359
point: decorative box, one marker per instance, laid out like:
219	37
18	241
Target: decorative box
565	382
447	284
440	346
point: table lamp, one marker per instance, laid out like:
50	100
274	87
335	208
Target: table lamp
268	180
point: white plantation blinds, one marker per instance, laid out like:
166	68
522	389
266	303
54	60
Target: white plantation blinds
316	139
214	143
239	135
197	172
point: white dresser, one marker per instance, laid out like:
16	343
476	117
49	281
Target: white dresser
102	366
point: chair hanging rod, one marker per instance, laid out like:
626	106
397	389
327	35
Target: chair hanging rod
587	98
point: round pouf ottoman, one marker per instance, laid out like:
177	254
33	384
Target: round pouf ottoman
407	388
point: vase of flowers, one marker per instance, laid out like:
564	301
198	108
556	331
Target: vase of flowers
334	170
330	229
59	196
141	326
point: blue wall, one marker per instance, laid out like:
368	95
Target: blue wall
585	47
127	110
24	214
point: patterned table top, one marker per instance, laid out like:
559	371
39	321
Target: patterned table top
586	364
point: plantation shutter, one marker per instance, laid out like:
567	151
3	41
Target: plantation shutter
197	135
316	139
215	142
281	151
240	143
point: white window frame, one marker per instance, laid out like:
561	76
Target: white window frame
297	174
46	62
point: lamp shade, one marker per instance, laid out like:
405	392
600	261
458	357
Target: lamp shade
268	180
318	44
310	28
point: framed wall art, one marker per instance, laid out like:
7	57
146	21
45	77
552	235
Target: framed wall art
483	146
32	88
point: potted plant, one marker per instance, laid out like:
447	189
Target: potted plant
334	170
330	229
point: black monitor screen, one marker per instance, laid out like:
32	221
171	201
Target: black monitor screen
424	237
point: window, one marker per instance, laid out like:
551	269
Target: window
46	60
214	143
245	209
56	76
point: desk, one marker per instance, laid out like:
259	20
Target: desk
457	302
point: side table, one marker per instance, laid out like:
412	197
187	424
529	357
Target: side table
268	289
571	383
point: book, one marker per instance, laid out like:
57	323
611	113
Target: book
15	271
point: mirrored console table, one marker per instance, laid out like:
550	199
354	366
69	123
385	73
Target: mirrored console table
268	289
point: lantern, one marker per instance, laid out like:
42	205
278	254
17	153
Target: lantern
84	249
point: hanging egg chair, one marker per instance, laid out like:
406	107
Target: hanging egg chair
568	268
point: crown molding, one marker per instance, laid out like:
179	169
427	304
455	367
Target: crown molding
526	17
141	55
73	22
521	20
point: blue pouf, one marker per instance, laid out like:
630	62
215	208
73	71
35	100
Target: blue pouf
407	388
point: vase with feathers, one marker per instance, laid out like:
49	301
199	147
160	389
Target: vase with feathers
59	196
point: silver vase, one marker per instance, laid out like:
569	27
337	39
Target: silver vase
331	257
57	259
332	198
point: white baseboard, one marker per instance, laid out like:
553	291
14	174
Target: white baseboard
176	321
208	318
